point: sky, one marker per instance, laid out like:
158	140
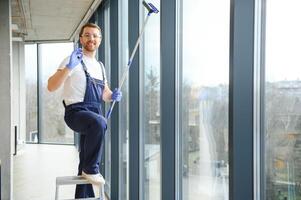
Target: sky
205	32
206	41
283	40
52	55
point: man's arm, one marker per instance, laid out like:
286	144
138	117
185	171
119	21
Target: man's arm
107	94
56	80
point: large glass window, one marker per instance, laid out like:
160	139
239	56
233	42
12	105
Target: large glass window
203	95
106	42
52	126
31	93
44	110
150	107
283	100
124	104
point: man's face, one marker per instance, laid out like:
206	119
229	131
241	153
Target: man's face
90	39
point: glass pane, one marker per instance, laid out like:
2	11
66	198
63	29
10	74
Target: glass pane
150	108
124	103
31	93
52	125
283	100
204	165
106	42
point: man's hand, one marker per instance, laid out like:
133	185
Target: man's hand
116	95
75	58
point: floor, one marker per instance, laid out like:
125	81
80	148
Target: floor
37	166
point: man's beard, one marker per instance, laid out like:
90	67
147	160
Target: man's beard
90	48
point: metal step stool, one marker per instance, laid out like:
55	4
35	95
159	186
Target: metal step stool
75	180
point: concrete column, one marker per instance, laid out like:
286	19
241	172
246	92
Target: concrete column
5	100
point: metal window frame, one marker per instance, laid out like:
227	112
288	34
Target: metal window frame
134	137
178	93
259	96
262	191
167	98
142	168
241	99
39	88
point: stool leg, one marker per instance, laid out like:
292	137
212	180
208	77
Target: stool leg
101	192
57	192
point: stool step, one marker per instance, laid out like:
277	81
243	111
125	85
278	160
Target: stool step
75	180
84	199
71	180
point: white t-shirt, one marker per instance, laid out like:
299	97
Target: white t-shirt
75	84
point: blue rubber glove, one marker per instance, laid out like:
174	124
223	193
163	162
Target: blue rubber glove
75	58
116	95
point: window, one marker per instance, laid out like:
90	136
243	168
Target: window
31	93
106	43
124	104
203	99
51	110
150	107
282	100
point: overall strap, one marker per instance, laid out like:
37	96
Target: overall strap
102	70
85	68
87	73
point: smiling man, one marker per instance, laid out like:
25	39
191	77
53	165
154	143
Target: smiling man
85	88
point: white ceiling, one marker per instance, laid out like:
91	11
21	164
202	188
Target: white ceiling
50	20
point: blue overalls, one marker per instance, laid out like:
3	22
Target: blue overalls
86	118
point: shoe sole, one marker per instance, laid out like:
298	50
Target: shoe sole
92	181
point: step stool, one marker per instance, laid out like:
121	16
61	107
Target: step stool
76	180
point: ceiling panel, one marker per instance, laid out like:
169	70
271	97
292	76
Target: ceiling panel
49	20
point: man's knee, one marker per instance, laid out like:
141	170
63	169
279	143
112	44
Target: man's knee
101	123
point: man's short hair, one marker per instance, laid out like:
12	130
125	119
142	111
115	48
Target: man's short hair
92	25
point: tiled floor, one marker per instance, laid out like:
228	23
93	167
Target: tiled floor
37	166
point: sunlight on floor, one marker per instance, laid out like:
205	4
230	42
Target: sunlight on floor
37	166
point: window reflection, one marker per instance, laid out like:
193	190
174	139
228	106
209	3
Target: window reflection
123	105
204	99
150	100
53	128
283	101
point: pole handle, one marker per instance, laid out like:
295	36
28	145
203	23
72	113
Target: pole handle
108	115
151	9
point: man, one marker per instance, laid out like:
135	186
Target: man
85	87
